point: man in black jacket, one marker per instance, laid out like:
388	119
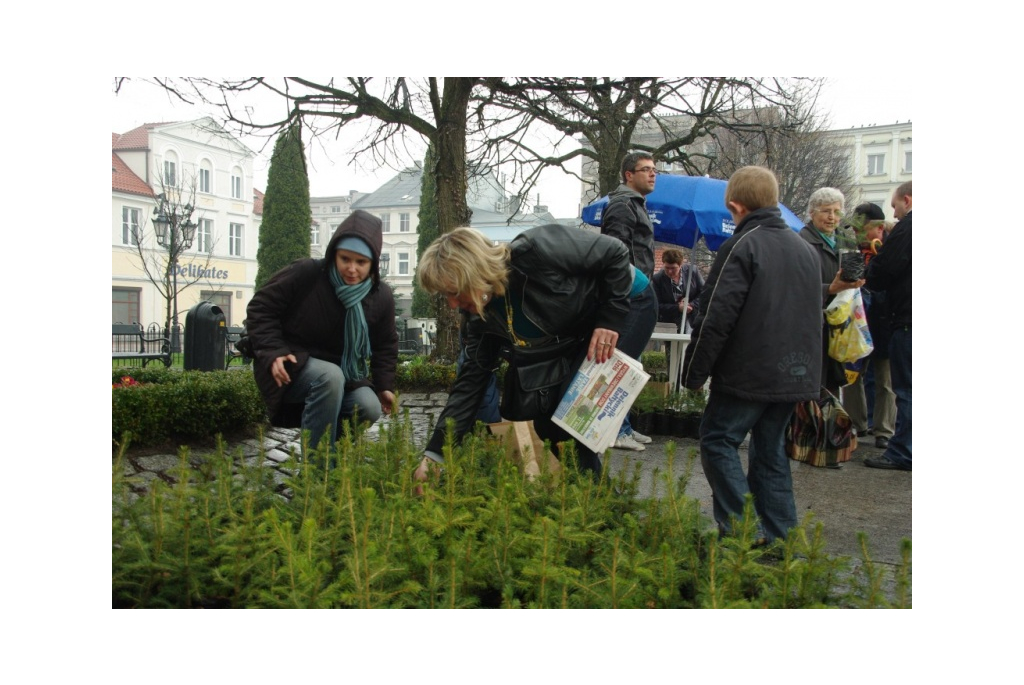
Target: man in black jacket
626	219
890	271
758	336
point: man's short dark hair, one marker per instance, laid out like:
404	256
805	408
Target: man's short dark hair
630	160
870	211
905	190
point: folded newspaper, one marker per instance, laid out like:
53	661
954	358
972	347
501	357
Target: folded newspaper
599	398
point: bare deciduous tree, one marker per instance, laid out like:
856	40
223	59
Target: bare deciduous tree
667	117
160	264
795	145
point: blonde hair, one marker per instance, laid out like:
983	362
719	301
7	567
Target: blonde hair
753	187
465	262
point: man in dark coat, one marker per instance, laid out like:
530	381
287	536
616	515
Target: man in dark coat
303	333
758	336
890	271
626	219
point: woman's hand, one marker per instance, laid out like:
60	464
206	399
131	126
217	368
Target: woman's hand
281	376
602	344
387	401
839	284
422	472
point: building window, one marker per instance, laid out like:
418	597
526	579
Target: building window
170	174
335	209
204	179
876	164
130	226
403	223
204	236
126	305
403	263
908	166
385	220
235	239
314	234
220	298
236	186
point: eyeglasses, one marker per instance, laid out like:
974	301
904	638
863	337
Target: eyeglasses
645	170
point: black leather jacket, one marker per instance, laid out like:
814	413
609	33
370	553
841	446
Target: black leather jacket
571	281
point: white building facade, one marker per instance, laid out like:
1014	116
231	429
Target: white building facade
197	162
328	213
881	158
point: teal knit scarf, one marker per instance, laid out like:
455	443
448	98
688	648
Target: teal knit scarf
357	335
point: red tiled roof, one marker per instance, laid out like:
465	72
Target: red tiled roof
125	180
137	138
257	202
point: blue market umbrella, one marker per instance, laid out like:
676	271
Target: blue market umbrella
682	208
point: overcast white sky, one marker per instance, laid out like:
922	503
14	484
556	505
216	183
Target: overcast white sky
849	100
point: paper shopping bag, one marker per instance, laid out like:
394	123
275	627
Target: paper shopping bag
524	446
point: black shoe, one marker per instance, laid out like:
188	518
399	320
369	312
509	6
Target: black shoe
883	462
881	443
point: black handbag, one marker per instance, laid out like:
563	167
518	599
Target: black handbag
537	378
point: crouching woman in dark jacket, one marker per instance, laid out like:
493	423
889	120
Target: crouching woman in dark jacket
554	293
313	326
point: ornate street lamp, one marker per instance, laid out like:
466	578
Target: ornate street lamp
175	231
385	262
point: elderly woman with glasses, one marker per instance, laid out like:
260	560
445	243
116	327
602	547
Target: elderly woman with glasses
825	211
551	297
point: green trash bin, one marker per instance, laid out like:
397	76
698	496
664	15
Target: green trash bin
205	334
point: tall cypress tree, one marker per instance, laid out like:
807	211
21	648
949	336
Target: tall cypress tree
284	233
423	305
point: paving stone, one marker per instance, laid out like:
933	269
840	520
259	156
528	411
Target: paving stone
158	462
142	479
277	456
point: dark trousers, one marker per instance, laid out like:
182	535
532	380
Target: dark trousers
900	357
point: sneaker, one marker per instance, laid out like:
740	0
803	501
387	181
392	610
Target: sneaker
626	442
883	462
641	438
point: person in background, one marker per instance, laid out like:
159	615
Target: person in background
890	271
313	326
553	292
626	219
758	337
869	400
670	287
825	210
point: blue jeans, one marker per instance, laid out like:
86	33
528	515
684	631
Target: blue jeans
488	411
636	332
320	386
727	419
900	357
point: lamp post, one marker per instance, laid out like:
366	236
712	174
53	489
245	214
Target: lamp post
385	262
175	231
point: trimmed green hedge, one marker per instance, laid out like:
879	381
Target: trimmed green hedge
183	404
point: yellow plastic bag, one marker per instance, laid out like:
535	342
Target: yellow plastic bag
849	338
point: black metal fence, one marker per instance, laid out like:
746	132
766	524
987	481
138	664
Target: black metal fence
155	338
